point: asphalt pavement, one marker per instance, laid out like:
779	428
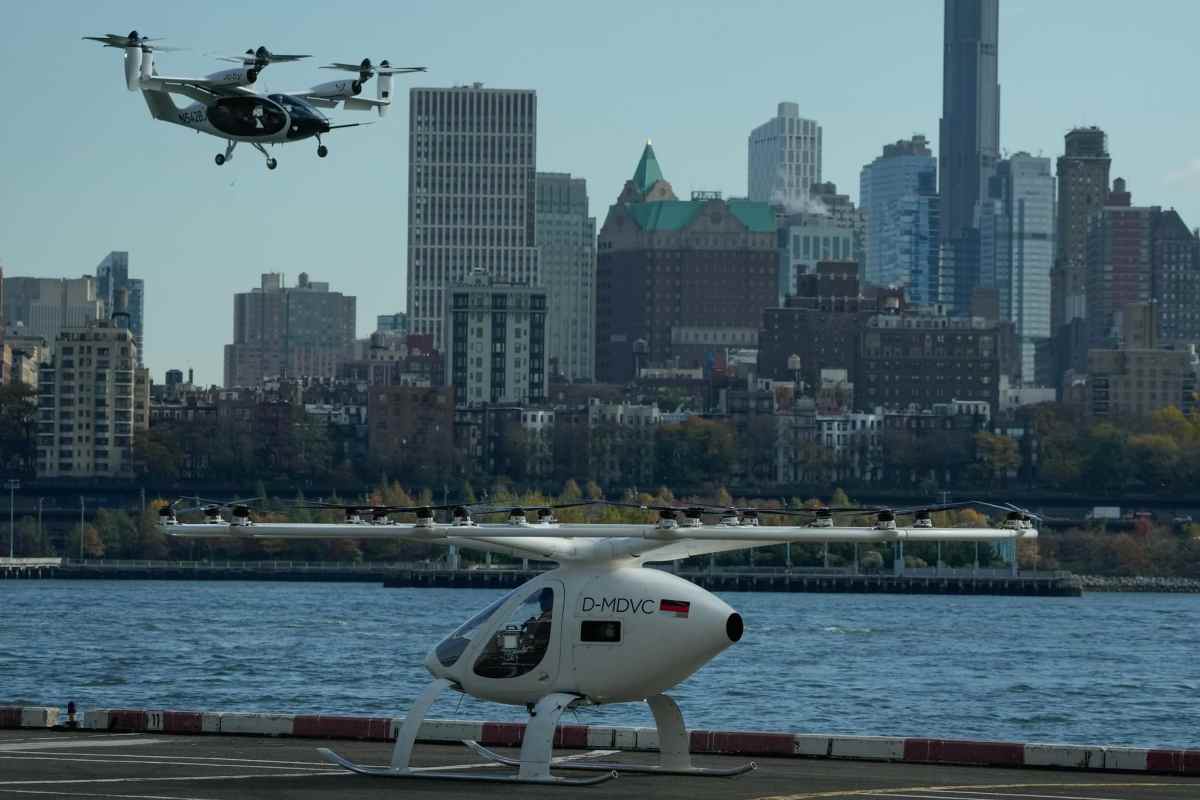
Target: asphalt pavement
77	764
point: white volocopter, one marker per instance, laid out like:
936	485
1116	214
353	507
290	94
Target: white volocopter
602	627
226	106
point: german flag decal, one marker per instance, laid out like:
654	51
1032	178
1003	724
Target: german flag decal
677	608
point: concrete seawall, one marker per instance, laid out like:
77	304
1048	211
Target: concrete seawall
742	743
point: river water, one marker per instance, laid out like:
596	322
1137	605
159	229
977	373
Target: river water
1103	669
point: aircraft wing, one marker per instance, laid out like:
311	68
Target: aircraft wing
319	101
199	89
364	103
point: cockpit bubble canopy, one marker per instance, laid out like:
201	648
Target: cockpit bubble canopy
453	645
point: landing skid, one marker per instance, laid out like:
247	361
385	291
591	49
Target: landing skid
424	773
614	767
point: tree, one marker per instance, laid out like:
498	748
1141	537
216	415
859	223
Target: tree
93	546
998	454
1156	459
694	452
18	429
1106	460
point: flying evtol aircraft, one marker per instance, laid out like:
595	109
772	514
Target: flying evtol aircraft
600	628
226	107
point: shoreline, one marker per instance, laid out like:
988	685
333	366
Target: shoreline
1101	583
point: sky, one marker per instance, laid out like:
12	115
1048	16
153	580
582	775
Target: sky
84	170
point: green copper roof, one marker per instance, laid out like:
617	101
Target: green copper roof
758	217
673	215
648	171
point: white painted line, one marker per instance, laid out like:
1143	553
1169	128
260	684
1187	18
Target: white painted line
94	794
989	795
181	778
233	761
89	742
98	759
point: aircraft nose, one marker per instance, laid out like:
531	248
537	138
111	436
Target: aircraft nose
734	627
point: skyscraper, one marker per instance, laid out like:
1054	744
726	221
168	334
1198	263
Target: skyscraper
1175	279
93	403
496	341
969	140
566	239
44	306
898	192
1017	249
1082	190
294	332
680	282
784	159
471	186
1119	262
112	276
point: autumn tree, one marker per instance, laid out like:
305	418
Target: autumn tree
998	455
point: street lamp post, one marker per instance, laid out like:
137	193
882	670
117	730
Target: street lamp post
13	485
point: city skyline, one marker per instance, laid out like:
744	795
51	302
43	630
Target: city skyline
343	218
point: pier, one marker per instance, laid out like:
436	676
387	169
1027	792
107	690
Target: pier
435	575
926	581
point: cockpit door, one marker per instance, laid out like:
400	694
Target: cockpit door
524	644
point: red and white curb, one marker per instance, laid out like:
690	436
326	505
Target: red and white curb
509	734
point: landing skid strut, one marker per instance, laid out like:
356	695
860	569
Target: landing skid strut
534	765
673	743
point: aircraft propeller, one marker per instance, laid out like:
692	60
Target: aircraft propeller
545	512
366	70
261	57
132	40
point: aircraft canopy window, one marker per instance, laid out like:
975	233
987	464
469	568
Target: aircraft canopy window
453	645
519	645
600	630
296	107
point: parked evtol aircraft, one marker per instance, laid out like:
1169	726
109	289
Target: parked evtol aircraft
226	107
601	628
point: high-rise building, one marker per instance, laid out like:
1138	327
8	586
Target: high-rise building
1082	190
112	278
1125	383
496	341
471	184
1175	279
969	140
43	307
93	402
1017	250
924	358
833	230
898	194
392	324
1119	247
679	282
785	159
566	239
280	331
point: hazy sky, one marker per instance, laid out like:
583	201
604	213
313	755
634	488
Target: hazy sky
84	170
